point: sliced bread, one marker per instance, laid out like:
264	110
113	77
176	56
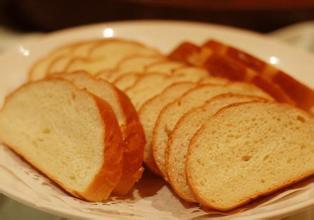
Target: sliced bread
108	54
126	81
171	113
182	134
149	112
166	67
132	131
151	84
249	150
66	133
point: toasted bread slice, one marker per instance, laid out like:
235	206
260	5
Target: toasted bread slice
68	134
182	134
151	84
108	54
248	150
132	131
171	113
149	112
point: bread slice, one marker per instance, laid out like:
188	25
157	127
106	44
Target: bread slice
108	54
59	64
149	112
182	134
137	63
151	84
297	92
171	113
166	67
248	150
126	81
132	131
132	64
58	59
68	134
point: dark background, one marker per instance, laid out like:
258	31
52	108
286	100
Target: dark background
257	15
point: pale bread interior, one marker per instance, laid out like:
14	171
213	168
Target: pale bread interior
248	150
171	113
182	134
58	129
149	112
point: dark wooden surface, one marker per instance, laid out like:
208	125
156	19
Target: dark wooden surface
257	15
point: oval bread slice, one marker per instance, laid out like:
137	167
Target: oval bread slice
126	81
151	84
171	113
166	67
248	150
68	134
108	54
149	112
132	131
182	134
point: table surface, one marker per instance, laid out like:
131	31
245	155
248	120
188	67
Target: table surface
299	35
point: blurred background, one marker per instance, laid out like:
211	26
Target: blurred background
257	15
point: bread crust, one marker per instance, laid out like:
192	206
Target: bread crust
208	204
132	135
134	140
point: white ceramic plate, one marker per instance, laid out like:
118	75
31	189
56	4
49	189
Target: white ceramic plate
164	35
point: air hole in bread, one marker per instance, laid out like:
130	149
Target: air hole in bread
262	181
46	131
246	157
73	96
300	118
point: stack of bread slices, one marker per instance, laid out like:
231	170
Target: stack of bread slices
93	111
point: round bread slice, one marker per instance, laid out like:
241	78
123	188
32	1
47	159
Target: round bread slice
108	54
182	134
171	113
166	67
151	84
149	112
248	150
132	131
66	133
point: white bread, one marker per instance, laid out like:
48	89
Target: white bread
248	150
182	134
149	112
132	131
136	63
151	84
108	54
68	134
166	67
57	60
126	81
171	113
